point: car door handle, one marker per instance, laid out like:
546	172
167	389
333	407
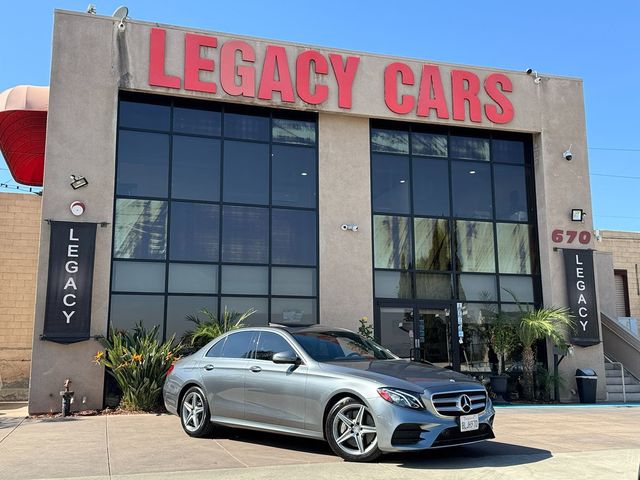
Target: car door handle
255	369
208	367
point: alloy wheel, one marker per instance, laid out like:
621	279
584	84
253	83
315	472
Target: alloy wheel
354	430
193	411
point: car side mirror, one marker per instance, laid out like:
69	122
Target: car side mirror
286	358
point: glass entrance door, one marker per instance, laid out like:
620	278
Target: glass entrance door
419	332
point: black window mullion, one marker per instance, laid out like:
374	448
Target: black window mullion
220	223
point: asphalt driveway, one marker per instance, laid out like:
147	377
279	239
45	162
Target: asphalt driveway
545	443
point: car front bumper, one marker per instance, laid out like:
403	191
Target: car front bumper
404	429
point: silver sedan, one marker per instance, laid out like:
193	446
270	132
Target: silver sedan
326	383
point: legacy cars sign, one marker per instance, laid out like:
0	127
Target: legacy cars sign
286	80
582	296
71	252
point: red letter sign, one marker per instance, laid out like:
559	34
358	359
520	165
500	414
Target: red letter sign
391	87
194	63
247	75
491	87
275	62
431	81
465	87
157	76
303	81
345	74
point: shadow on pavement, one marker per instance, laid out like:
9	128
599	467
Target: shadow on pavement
483	454
285	442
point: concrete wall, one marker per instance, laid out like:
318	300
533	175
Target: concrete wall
19	237
625	248
92	60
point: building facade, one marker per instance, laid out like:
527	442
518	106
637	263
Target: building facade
312	184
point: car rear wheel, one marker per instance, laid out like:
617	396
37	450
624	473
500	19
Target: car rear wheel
194	413
351	431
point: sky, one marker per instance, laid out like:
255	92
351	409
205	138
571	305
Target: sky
595	41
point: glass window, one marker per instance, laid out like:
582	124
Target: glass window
514	248
247	127
516	289
430	187
246	172
148	116
269	344
194	231
245	279
293	281
178	307
245	234
477	287
195	170
238	345
129	310
293	176
474	349
508	151
138	277
390	141
471	184
293	237
293	311
140	229
392	242
143	164
390	183
433	286
293	131
393	284
474	246
433	250
469	148
216	350
242	304
429	144
511	193
196	120
193	278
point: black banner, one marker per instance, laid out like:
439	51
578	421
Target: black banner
581	288
67	316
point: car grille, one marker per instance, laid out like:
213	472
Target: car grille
406	434
453	436
448	403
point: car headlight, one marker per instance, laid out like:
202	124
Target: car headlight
402	398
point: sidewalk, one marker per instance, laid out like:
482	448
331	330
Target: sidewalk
598	443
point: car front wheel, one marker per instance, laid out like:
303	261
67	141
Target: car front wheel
351	431
194	413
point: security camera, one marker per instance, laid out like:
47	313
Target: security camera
354	228
529	71
344	227
121	26
567	153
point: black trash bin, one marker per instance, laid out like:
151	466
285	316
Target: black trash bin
587	382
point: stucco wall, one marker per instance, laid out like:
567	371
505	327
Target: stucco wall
19	237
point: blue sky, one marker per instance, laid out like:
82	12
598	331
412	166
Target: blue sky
595	41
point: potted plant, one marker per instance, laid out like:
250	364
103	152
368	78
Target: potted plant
503	339
206	330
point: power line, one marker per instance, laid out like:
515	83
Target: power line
614	216
615	149
614	176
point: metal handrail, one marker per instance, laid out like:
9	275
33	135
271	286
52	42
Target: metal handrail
624	386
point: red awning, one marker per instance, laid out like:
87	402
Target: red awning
23	131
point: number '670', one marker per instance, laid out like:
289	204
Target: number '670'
559	236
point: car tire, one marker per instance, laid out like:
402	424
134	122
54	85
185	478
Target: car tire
351	432
194	413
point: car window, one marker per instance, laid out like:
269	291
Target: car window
238	345
216	350
329	346
270	343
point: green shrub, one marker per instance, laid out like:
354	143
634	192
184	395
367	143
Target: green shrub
139	364
212	327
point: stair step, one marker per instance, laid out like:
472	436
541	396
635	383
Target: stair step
617	397
611	366
618	380
618	388
614	373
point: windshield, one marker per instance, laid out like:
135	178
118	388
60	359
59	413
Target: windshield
338	345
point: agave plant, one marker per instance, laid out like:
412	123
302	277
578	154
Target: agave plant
213	326
537	325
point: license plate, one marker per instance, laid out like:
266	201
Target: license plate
469	423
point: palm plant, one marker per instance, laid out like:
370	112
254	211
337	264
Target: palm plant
213	326
503	338
537	325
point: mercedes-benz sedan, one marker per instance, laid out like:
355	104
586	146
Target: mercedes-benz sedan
326	383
